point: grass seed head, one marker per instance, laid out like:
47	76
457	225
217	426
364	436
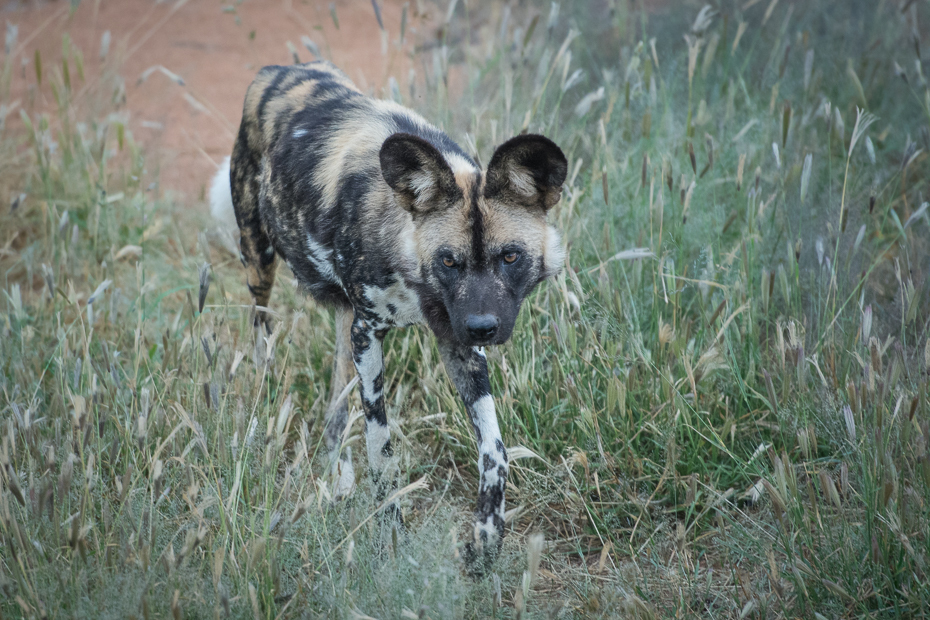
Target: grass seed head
739	171
311	46
806	176
694	48
866	325
553	20
666	333
875	352
12	35
850	423
808	68
105	44
534	547
204	286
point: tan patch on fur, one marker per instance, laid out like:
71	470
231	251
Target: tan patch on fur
451	228
465	179
505	224
460	165
357	140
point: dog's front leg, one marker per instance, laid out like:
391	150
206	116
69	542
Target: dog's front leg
369	363
468	369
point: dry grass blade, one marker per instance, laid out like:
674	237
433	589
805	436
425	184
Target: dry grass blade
177	79
420	484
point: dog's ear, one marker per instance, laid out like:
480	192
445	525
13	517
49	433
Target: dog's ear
418	173
529	170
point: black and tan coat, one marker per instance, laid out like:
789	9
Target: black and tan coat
382	216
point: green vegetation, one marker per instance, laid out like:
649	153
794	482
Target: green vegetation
720	407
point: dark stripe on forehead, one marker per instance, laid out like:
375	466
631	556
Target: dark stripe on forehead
477	220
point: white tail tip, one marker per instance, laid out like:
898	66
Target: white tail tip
221	205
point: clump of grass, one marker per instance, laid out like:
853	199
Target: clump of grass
719	408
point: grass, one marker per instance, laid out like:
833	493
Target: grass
719	408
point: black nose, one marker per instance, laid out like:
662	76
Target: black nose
481	327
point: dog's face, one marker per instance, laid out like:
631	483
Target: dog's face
481	240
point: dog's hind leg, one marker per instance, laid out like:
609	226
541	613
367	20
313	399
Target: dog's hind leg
337	412
258	254
260	264
468	369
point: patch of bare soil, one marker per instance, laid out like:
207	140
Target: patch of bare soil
215	47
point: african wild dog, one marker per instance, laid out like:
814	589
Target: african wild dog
384	217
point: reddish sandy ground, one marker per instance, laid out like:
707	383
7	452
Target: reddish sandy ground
215	46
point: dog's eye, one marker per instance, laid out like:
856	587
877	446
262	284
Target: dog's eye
448	261
511	257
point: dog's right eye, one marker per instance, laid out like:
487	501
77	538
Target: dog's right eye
448	261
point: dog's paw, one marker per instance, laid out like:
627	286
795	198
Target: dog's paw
482	550
394	515
479	559
391	513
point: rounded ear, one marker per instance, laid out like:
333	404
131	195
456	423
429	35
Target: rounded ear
418	173
529	170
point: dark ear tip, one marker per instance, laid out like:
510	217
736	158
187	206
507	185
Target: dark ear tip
530	138
392	142
398	152
560	167
556	157
537	142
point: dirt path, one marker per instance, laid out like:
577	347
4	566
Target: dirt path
215	47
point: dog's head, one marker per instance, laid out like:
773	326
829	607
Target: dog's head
481	239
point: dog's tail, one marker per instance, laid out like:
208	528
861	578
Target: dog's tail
221	205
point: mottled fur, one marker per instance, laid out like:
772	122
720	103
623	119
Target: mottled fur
384	217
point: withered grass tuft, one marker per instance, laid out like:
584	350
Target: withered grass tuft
719	409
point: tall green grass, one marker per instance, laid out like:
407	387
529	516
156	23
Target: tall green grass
718	409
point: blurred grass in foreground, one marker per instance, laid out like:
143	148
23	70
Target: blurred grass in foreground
720	408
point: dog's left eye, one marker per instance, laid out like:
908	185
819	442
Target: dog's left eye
511	257
448	261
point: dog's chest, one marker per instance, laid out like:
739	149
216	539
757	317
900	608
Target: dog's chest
395	305
381	293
